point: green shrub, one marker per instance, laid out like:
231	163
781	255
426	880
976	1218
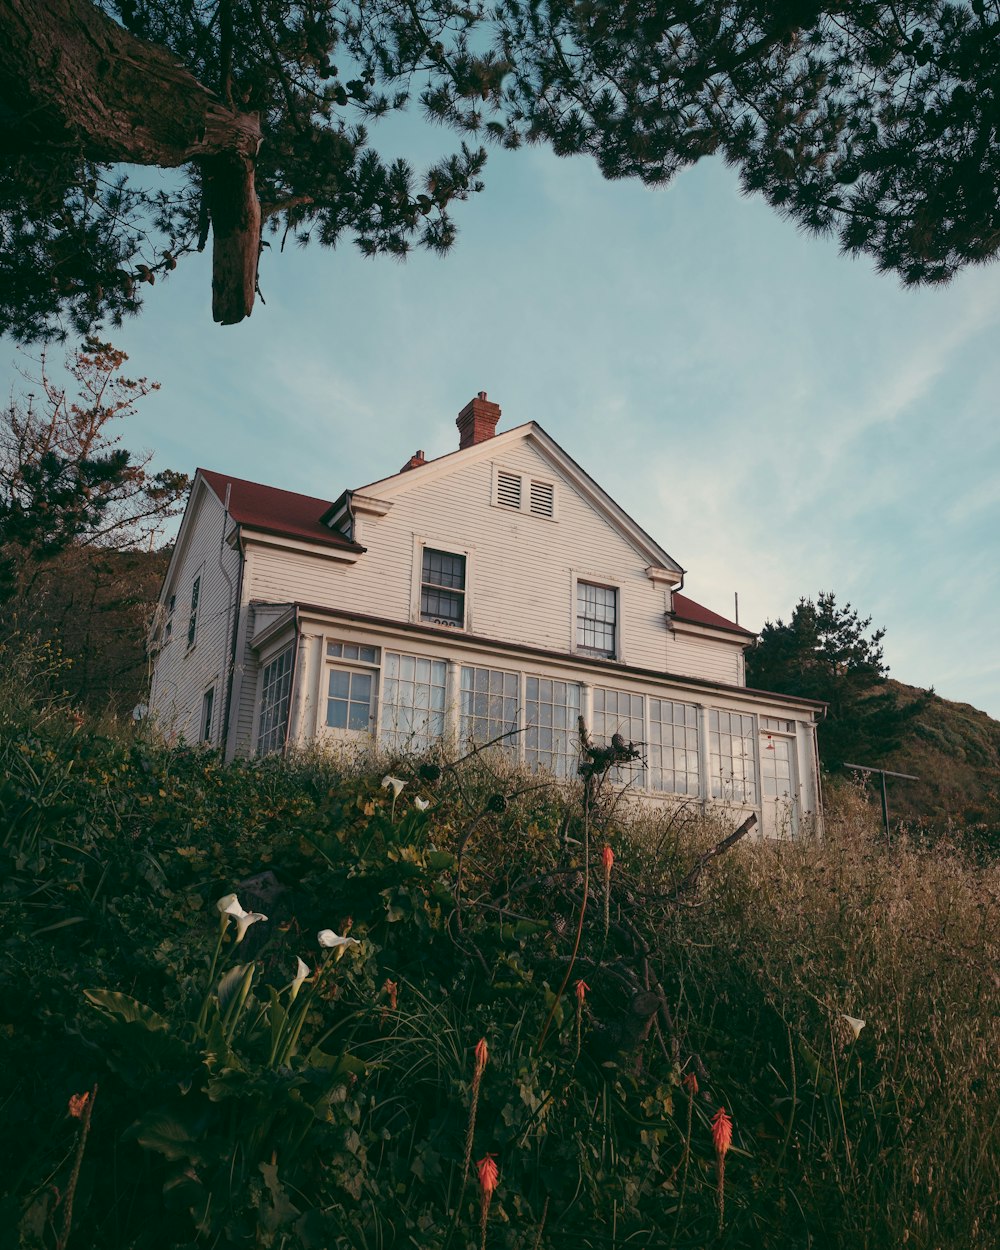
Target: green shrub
227	1114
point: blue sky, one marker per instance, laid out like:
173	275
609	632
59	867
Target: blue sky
783	420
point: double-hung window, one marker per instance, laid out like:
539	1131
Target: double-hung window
193	618
597	619
442	588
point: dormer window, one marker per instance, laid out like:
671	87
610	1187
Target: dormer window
519	492
442	588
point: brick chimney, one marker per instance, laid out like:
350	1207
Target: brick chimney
414	462
477	421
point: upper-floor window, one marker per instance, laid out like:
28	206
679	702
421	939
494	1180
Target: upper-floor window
168	628
442	588
193	617
597	619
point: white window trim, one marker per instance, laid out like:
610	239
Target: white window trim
203	737
594	579
199	578
526	480
420	541
273	649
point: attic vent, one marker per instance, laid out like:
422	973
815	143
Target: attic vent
508	490
543	497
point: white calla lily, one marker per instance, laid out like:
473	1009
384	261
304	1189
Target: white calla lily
244	920
226	902
421	804
302	970
855	1024
396	784
333	941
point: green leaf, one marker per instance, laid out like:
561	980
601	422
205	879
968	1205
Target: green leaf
229	986
128	1010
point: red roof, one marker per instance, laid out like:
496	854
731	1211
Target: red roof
686	609
276	511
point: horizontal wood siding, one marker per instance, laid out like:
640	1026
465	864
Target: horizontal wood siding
703	657
182	675
521	567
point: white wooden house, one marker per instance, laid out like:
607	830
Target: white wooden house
494	590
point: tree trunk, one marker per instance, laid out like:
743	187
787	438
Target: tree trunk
72	79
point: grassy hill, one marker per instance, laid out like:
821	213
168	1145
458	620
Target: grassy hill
838	1001
954	751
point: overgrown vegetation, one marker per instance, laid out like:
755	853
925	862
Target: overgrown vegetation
235	1100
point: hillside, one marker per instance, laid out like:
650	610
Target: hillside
450	1018
954	750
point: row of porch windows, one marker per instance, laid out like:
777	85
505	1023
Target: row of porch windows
414	696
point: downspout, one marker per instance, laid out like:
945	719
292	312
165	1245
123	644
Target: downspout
232	616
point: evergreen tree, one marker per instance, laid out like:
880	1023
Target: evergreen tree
829	652
876	122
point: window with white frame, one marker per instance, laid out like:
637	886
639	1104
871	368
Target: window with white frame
413	701
351	692
620	712
193	617
168	628
350	700
551	737
207	712
275	696
442	588
732	740
352	651
673	747
489	706
596	619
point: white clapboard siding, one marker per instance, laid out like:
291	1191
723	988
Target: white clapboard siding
182	675
521	566
706	658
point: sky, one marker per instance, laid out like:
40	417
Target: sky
782	419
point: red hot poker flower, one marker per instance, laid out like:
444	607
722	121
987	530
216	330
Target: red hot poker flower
78	1104
391	990
489	1175
607	859
722	1132
482	1053
582	989
690	1083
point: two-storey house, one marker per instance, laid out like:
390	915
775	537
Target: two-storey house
496	592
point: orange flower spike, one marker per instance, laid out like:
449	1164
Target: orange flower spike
482	1053
722	1132
582	989
78	1104
391	990
489	1175
607	860
690	1083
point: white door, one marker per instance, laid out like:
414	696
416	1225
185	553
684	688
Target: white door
780	814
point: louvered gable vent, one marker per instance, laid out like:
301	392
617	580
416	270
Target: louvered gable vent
521	493
543	497
508	490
